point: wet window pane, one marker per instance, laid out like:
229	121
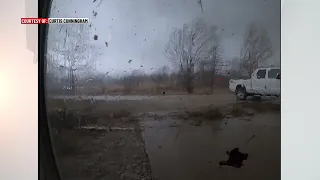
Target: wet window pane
272	73
162	89
261	74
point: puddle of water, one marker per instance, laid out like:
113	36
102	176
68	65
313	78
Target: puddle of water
180	151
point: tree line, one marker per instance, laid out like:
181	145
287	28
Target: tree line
194	51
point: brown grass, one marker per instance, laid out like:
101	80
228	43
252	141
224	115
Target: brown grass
260	107
251	108
235	110
71	114
148	88
208	114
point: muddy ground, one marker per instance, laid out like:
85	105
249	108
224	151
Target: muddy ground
164	137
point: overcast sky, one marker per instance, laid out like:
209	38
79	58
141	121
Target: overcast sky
139	29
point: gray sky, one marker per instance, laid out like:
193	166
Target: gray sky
139	29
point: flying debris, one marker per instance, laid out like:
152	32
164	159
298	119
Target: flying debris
99	3
200	3
88	81
236	158
95	14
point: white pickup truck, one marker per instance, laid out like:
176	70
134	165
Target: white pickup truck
263	82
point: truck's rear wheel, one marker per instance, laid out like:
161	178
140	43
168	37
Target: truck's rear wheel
241	93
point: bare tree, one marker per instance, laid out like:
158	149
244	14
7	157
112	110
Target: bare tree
137	77
74	49
215	64
160	75
187	46
100	80
235	70
256	49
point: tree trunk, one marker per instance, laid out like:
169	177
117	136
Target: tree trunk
73	87
190	89
190	86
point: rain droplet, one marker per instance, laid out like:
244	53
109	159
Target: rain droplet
89	81
92	100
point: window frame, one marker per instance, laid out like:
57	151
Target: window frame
271	70
265	74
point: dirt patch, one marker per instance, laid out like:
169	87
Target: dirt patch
91	155
93	144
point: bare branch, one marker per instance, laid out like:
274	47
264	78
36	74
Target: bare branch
256	49
189	45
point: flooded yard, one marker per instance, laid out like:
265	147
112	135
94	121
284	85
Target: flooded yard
182	150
